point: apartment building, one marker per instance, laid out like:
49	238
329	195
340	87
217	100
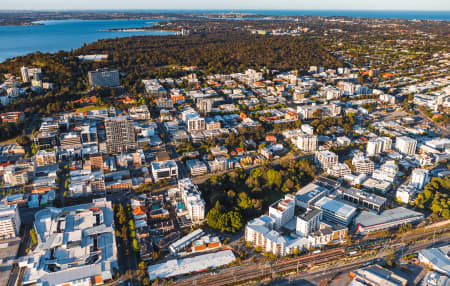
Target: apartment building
362	164
420	178
282	211
339	170
326	159
406	145
378	145
192	200
306	142
9	221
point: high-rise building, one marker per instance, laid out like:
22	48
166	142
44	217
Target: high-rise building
306	142
419	178
406	145
104	78
120	135
25	76
9	221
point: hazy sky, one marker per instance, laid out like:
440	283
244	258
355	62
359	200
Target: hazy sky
229	4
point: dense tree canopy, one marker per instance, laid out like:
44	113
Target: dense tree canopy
238	196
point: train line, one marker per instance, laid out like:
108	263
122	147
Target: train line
241	274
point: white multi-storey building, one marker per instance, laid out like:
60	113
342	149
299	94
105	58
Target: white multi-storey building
406	145
362	164
387	172
419	178
378	145
406	193
9	221
306	142
339	170
192	200
326	159
164	170
282	211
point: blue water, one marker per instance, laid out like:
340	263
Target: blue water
64	35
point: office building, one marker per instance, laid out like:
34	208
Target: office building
362	199
164	170
70	140
420	178
196	167
104	78
306	142
336	211
16	176
120	136
76	246
326	159
88	134
406	145
9	220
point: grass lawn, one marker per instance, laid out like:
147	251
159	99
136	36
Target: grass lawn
89	108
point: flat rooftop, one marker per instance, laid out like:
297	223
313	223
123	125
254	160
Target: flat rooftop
371	198
76	242
309	192
178	267
338	208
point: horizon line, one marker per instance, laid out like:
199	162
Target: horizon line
193	10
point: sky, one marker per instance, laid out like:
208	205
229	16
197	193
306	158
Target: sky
419	5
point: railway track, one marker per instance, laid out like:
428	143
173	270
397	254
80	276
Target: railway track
257	272
240	275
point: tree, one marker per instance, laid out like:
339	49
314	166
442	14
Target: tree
236	221
274	178
33	236
244	201
135	245
23	140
